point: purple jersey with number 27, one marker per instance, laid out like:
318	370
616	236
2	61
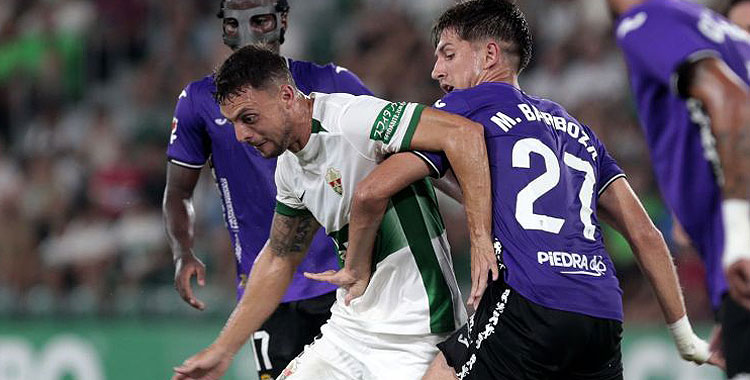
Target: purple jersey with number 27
658	37
245	179
547	173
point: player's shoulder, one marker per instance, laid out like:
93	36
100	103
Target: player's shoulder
657	13
199	88
315	68
486	94
331	107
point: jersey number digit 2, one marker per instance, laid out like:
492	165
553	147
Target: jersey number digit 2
539	186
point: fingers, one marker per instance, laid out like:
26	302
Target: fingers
478	285
185	371
201	271
495	271
322	276
186	290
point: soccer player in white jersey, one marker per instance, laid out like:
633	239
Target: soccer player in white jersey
325	144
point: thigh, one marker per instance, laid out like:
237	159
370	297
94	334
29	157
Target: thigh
390	357
735	327
510	337
323	359
491	345
284	335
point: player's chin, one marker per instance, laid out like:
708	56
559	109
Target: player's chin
269	150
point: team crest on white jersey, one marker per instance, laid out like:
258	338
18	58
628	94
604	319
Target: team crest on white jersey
333	177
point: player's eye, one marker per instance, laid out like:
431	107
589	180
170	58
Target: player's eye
263	23
449	56
230	25
249	119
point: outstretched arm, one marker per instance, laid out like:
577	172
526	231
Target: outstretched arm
271	275
368	207
179	219
463	143
727	100
620	207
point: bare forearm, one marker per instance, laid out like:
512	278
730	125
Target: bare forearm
653	256
619	206
269	279
179	219
726	98
370	202
733	144
177	207
468	156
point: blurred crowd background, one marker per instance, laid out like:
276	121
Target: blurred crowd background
87	92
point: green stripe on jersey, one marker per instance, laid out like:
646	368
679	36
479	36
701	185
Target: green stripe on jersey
290	211
412	219
317	127
406	142
418	231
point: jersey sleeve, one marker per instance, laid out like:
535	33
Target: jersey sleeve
347	82
376	127
287	202
438	162
189	143
659	42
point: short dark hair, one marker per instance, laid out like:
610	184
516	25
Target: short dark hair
502	20
253	65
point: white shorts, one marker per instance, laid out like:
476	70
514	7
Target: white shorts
338	355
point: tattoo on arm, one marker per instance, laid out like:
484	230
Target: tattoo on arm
292	235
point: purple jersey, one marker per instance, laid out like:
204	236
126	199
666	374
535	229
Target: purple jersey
245	179
659	38
547	173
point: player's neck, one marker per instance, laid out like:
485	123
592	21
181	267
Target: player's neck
301	115
504	76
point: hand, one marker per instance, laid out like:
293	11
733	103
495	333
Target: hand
355	285
717	354
483	260
738	279
185	268
209	364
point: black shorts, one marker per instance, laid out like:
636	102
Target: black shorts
735	331
510	337
284	335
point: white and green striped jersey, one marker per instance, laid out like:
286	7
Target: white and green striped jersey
413	289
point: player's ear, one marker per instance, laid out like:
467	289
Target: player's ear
287	94
493	54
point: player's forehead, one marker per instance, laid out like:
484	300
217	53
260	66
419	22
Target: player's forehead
247	4
449	39
247	99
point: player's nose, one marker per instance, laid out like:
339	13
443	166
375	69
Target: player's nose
437	71
243	134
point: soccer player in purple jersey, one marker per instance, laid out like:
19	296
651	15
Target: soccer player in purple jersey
201	134
689	71
556	310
